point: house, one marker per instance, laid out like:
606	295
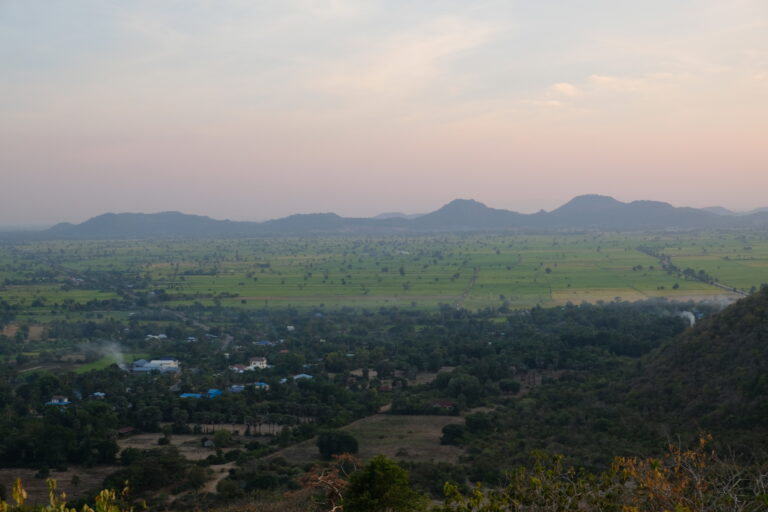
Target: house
261	385
264	343
238	368
213	393
257	363
58	400
125	431
156	337
236	388
443	404
190	395
98	395
156	365
302	376
290	328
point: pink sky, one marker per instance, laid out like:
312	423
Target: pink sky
253	112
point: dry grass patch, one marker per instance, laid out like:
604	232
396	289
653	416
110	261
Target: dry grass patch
190	446
414	438
88	480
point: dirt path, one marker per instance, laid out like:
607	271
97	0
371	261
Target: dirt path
220	473
730	289
666	263
470	285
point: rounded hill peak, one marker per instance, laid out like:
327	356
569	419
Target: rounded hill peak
589	201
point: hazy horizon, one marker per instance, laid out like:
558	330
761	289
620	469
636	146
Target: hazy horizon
45	225
252	111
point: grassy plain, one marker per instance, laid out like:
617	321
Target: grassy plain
472	271
106	361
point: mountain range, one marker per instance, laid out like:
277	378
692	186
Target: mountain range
582	213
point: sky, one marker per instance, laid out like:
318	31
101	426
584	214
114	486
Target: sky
257	109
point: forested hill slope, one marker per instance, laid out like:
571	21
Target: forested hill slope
711	378
714	376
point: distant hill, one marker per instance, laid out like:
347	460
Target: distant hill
719	210
397	215
756	210
144	225
602	212
587	212
468	214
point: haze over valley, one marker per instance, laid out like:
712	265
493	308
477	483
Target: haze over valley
383	256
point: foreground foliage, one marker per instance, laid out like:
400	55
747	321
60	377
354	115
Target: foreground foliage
683	480
105	501
694	480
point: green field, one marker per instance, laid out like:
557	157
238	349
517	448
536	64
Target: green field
106	361
472	271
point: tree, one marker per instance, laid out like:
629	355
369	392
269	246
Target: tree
336	442
149	418
222	438
382	486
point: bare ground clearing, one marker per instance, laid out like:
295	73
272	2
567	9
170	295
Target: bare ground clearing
414	438
35	332
562	297
350	297
219	474
10	330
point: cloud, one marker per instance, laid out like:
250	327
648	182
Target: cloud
628	84
565	89
597	90
544	103
407	63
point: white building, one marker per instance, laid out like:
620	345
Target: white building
257	363
156	365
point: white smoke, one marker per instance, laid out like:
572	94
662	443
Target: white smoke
106	349
689	316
